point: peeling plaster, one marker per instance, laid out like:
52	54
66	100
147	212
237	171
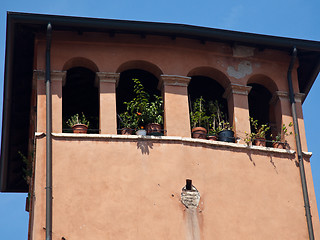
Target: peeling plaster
244	68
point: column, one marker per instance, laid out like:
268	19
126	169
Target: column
57	77
176	106
238	107
108	110
39	76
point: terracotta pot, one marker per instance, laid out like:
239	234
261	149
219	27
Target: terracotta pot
80	128
153	129
280	145
126	131
260	142
199	132
213	137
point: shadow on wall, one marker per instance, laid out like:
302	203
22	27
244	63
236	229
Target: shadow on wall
144	146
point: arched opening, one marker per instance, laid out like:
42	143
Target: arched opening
125	94
80	95
212	93
260	108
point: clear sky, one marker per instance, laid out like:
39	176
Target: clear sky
287	18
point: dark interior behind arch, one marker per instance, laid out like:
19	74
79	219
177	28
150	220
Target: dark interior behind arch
124	91
209	89
80	95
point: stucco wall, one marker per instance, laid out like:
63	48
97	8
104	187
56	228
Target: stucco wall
117	188
114	187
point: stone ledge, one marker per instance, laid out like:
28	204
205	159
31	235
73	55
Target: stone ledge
182	140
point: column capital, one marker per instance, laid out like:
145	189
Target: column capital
55	75
239	89
174	80
39	74
279	95
298	97
107	77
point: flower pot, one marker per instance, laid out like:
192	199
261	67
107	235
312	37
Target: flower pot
213	137
154	129
226	136
199	132
80	128
280	145
141	132
260	142
126	131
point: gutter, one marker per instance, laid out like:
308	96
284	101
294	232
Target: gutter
299	148
163	29
48	139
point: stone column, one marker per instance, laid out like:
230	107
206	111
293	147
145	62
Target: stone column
176	106
57	77
41	100
108	110
238	107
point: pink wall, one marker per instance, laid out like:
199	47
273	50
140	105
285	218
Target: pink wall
129	188
115	187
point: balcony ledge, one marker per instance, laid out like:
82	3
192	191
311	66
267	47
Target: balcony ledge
182	140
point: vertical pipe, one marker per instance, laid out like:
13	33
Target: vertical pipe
299	149
48	139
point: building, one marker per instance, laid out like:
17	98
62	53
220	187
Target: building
104	185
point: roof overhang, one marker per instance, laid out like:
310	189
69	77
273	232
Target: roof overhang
21	28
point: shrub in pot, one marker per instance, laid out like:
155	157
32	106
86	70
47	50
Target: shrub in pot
226	133
218	125
258	135
79	124
142	111
128	122
199	119
280	141
154	116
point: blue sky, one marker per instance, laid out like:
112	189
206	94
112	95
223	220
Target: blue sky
287	18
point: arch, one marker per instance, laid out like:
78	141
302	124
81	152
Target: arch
210	84
265	81
212	73
260	108
142	65
80	62
148	74
81	95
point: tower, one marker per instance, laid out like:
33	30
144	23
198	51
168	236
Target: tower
105	185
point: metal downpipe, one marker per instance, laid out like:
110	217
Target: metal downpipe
48	139
298	145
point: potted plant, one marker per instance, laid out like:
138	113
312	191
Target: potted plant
199	119
78	124
128	122
141	111
258	136
153	116
226	133
279	141
215	115
219	127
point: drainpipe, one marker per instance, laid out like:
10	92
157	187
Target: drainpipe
48	139
298	145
